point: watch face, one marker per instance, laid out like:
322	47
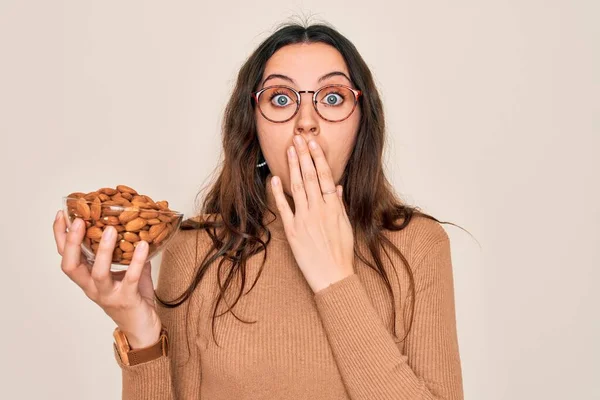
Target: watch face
122	345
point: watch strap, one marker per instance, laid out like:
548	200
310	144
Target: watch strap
139	356
159	349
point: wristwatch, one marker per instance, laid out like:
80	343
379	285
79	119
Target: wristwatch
131	356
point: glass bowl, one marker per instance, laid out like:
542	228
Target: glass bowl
133	223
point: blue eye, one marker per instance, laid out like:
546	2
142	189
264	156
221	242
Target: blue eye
333	99
280	99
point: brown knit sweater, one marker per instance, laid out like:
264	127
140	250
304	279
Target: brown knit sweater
338	343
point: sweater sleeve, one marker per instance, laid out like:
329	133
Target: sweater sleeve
177	375
371	364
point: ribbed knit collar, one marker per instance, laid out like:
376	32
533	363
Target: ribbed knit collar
275	225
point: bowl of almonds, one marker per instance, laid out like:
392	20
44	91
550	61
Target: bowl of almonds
135	217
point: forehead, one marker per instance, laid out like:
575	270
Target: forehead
305	62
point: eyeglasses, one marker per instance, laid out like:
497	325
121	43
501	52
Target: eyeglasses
333	103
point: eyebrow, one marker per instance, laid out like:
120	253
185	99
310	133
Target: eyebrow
321	79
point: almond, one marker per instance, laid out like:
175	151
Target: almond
131	237
166	217
96	209
83	210
94	233
108	191
145	235
142	205
91	196
129	215
161	236
154	221
155	230
126	189
120	200
136	224
151	203
153	206
126	246
113	221
72	199
148	214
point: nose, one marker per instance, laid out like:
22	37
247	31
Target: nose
307	122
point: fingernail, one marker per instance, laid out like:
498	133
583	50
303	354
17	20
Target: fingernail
58	214
108	233
298	140
141	246
312	144
275	181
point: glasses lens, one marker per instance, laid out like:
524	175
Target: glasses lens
335	103
278	103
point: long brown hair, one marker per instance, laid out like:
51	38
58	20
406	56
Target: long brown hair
237	198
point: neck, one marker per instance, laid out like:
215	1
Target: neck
275	225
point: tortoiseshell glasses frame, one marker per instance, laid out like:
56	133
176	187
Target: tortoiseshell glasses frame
357	94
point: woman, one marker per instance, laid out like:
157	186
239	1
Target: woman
279	289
